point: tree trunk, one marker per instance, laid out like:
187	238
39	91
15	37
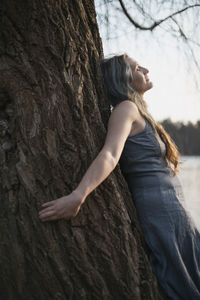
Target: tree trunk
53	117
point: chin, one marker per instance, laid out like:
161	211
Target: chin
149	86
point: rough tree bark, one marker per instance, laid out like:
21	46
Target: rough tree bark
53	117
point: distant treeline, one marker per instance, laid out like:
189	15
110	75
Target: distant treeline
186	136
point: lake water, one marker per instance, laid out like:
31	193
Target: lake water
190	178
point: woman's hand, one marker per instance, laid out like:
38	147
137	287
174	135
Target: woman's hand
65	207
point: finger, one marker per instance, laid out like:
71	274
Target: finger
50	218
47	214
50	203
43	211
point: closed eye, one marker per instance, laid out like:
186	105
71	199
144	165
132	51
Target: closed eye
138	68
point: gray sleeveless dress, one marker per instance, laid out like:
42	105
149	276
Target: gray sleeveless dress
168	228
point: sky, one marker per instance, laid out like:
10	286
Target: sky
176	91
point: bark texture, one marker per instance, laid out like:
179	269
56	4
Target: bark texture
53	117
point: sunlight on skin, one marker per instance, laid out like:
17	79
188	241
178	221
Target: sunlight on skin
174	94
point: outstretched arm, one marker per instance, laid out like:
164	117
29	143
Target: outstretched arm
119	127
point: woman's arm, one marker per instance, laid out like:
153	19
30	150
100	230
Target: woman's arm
119	127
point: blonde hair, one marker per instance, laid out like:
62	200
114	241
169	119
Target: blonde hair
117	75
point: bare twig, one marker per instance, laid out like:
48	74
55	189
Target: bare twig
156	23
182	33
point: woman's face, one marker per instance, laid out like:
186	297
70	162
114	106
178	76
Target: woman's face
141	82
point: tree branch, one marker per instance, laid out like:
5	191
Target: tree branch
156	23
180	29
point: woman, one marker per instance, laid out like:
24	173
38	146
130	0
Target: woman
149	162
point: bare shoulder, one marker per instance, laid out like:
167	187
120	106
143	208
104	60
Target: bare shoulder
126	108
119	127
127	104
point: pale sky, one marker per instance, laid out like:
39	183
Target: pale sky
174	94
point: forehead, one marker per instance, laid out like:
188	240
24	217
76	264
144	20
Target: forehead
132	61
